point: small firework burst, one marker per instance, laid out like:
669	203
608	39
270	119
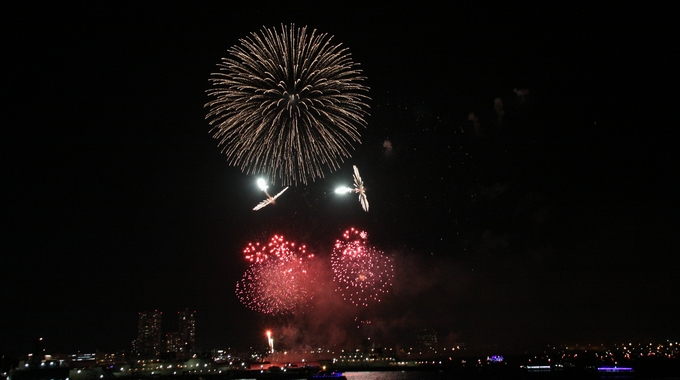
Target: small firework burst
363	273
278	280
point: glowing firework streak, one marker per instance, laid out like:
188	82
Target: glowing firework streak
278	280
362	273
270	341
270	200
358	188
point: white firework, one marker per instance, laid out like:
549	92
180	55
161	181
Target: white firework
288	103
270	199
358	188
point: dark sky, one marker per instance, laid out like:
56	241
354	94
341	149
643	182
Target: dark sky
555	223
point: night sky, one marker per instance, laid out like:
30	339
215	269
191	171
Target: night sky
557	222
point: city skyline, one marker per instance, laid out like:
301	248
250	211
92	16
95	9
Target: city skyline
519	164
155	337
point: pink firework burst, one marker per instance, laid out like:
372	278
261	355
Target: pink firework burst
363	274
278	280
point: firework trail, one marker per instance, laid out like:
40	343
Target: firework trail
362	273
358	188
270	342
287	104
278	280
270	199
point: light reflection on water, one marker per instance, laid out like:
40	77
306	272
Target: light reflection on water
394	375
388	375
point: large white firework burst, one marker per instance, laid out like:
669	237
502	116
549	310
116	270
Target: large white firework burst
287	104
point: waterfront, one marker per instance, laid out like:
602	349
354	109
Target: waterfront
642	370
658	360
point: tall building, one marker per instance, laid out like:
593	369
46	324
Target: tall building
186	324
173	342
148	342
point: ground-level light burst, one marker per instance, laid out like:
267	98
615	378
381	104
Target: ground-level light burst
363	273
278	280
288	104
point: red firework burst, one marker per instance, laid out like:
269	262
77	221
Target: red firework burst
362	273
278	280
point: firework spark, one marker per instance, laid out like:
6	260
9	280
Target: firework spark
278	280
287	104
270	200
362	273
358	188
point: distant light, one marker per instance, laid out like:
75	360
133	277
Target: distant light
538	367
615	369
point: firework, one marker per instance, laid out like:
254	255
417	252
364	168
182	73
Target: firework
270	200
358	188
270	342
288	104
278	280
362	273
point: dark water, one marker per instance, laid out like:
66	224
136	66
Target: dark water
397	375
463	375
387	375
511	374
666	370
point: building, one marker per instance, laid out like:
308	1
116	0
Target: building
186	325
148	342
173	342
